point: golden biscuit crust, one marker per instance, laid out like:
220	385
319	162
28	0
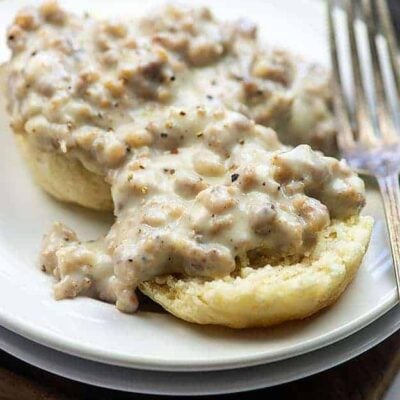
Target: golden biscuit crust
65	178
271	294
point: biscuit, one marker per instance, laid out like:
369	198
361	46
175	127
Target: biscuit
65	178
273	293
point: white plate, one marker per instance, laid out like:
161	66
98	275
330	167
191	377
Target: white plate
205	383
157	341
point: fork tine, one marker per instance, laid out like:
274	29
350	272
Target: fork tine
389	34
364	122
345	134
382	102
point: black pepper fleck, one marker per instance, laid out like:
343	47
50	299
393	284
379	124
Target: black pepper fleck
164	135
130	260
209	97
172	78
234	177
11	37
182	113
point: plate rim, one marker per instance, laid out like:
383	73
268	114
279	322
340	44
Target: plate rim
333	352
74	347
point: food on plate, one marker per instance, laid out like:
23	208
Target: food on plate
279	291
167	120
74	80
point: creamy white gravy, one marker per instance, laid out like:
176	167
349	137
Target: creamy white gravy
164	108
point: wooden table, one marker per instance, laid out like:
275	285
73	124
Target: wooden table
366	377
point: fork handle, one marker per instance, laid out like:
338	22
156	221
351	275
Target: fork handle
389	186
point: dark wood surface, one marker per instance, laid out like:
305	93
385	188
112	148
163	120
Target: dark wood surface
366	377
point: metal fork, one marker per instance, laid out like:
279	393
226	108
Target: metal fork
367	137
